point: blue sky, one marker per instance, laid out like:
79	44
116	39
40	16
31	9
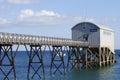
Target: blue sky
57	17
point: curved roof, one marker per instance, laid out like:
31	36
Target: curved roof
99	26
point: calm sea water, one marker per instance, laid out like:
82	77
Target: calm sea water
107	73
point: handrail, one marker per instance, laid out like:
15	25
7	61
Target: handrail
11	38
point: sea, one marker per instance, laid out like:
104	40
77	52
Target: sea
21	65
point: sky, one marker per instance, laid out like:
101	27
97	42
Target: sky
57	17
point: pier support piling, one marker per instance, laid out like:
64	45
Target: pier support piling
7	66
57	61
35	62
73	57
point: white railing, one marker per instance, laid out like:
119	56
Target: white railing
11	38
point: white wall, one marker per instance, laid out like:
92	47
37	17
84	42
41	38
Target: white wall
107	39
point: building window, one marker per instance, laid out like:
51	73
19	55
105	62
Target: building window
85	37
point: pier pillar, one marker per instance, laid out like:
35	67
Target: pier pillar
107	57
35	62
73	57
103	56
100	56
7	66
57	61
86	58
113	60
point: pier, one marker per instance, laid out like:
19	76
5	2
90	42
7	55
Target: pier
80	54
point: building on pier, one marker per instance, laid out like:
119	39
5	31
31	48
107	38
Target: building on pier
99	38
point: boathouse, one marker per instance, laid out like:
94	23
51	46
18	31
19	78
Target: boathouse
100	42
96	35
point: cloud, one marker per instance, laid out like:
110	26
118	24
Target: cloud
47	13
18	1
26	13
81	19
30	13
4	21
45	17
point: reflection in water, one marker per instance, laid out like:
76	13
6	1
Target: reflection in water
87	74
91	74
107	73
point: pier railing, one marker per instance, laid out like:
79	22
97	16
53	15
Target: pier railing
11	38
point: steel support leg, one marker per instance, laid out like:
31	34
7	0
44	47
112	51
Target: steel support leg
73	57
57	60
7	66
35	62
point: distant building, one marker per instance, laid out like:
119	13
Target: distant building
97	36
